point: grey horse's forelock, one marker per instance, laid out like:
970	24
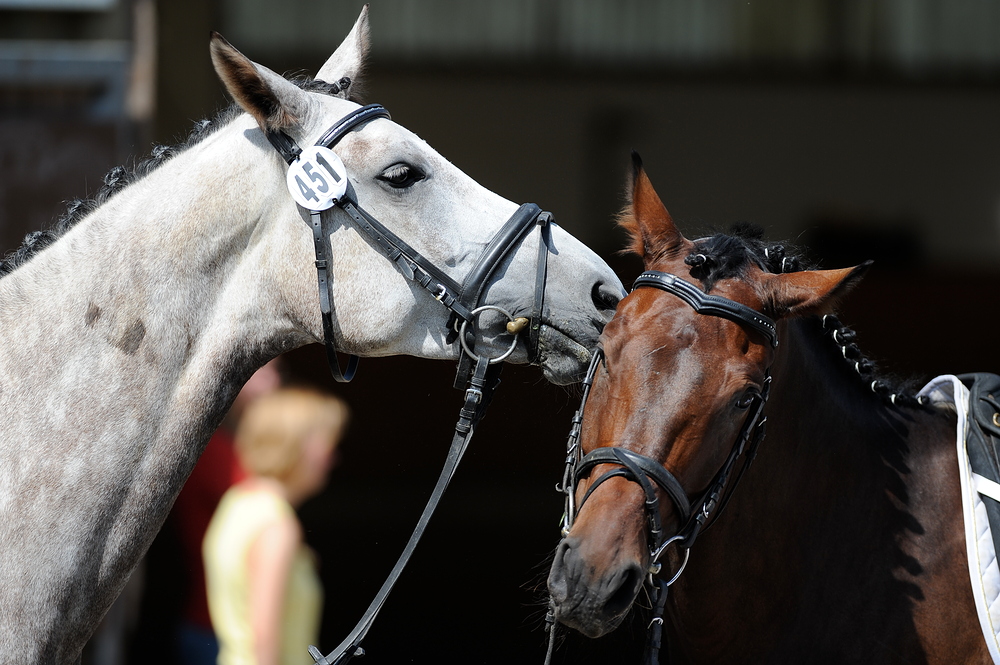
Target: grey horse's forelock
120	177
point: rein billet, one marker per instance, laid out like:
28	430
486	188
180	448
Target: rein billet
641	469
478	373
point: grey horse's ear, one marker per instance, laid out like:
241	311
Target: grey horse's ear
349	58
272	101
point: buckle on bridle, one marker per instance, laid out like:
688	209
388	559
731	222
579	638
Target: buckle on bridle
440	293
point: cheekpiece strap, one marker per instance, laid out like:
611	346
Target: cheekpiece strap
285	145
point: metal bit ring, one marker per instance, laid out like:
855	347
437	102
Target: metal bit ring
476	312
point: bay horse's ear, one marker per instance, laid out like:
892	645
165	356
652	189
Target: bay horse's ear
653	233
272	101
810	291
349	58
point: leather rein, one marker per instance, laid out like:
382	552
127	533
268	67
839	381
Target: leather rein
650	474
477	373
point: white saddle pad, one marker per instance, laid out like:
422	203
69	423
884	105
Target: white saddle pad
983	568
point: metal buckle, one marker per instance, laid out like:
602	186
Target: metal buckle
440	293
707	508
474	392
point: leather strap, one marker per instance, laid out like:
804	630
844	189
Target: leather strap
648	466
544	222
357	117
319	224
477	397
409	261
285	145
462	298
321	240
654	639
709	305
507	239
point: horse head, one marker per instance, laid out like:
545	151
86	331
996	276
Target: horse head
421	197
676	389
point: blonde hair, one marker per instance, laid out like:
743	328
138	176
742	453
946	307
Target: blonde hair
274	428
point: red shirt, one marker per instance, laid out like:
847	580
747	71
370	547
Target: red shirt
216	471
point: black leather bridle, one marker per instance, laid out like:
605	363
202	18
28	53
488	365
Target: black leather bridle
649	473
477	373
462	299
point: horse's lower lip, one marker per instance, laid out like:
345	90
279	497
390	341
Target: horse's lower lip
590	626
557	351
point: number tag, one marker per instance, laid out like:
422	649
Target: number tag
317	178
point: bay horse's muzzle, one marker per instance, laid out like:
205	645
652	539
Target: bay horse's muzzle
589	595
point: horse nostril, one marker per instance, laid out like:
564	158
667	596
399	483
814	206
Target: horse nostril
629	582
558	583
605	298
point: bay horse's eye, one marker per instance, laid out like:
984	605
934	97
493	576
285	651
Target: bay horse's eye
747	399
401	175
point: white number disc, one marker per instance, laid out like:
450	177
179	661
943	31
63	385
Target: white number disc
317	178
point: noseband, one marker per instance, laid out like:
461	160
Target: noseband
649	473
462	299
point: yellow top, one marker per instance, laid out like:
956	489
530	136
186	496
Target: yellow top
241	516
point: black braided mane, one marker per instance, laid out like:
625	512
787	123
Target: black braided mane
723	256
120	177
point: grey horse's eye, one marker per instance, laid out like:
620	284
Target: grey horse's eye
401	175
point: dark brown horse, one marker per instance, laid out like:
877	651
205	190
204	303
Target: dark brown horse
844	541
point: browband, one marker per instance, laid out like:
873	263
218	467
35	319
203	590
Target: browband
289	151
709	305
362	115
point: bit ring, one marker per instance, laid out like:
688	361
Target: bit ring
480	310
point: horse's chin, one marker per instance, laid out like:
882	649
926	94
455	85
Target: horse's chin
563	360
592	626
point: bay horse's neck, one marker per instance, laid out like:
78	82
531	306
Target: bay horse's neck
819	549
124	344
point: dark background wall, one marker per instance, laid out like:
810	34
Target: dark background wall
855	129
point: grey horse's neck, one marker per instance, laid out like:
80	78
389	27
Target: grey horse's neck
124	344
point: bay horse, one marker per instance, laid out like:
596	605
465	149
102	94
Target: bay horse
842	543
127	333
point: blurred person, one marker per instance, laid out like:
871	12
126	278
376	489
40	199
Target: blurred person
264	593
181	620
217	470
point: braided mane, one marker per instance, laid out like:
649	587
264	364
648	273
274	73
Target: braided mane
120	177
